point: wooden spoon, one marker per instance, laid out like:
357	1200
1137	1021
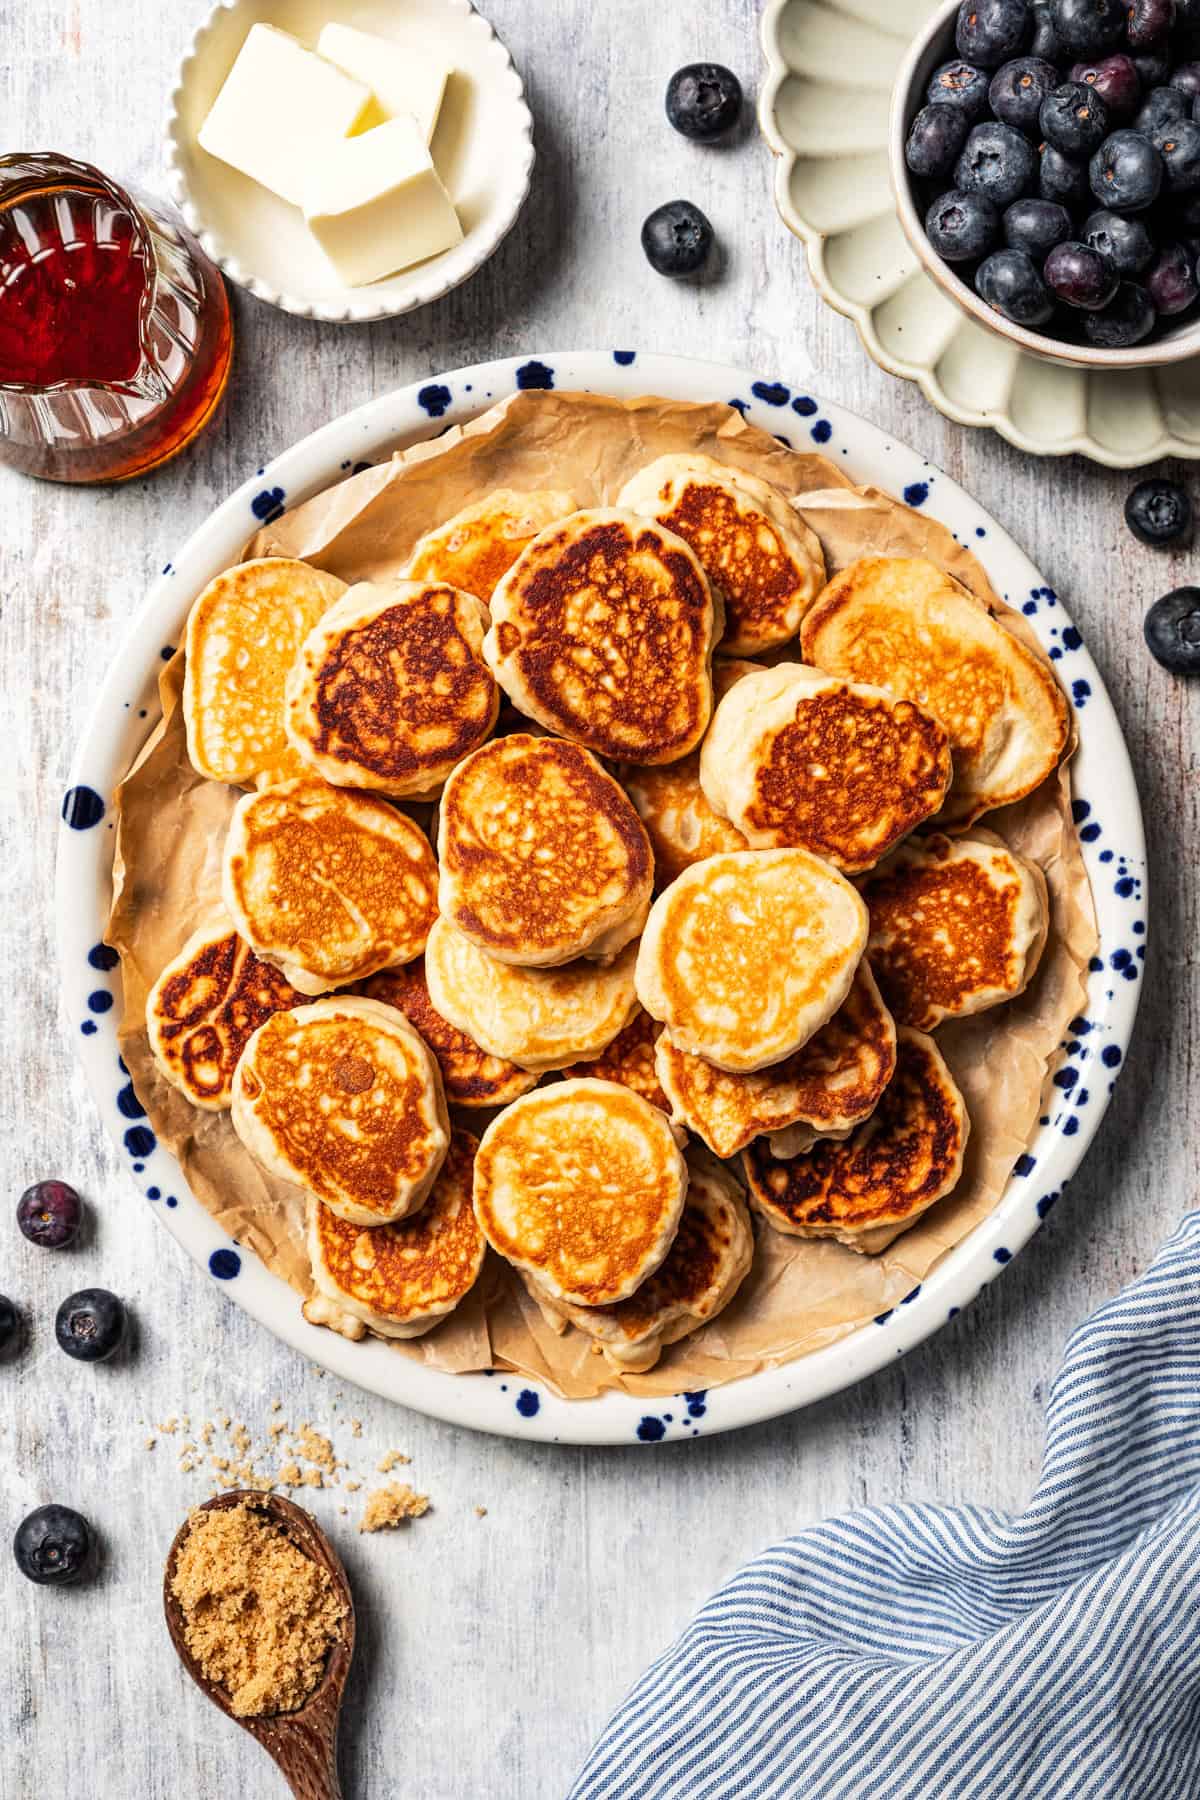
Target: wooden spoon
303	1743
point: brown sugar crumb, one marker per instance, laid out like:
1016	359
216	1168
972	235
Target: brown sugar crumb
314	1448
392	1505
259	1617
289	1475
481	1512
150	1442
356	1428
352	1487
276	1427
313	1478
389	1460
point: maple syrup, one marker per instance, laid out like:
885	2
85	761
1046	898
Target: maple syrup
115	332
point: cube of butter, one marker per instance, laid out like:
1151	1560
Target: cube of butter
402	80
375	204
280	108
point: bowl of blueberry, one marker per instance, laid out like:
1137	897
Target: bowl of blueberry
1045	156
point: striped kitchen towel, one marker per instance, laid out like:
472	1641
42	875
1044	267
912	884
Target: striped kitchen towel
956	1653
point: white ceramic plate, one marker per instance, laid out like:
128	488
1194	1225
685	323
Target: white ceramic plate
1106	805
824	111
482	147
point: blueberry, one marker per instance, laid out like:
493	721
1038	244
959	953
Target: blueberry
50	1213
677	238
1178	143
10	1325
90	1325
1077	275
1035	226
1172	628
1115	79
1124	321
1125	244
935	137
997	162
1126	172
1018	89
1147	22
1062	179
1010	284
959	84
1087	27
1158	511
1186	79
988	32
52	1545
1162	106
704	101
962	227
1153	66
1045	41
1170	280
1074	118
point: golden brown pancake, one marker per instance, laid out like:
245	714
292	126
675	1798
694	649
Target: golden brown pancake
470	1077
328	885
205	1006
702	1271
866	1189
581	1185
797	757
829	1086
390	689
746	955
902	623
957	925
629	1059
343	1099
603	631
543	858
243	633
482	542
403	1279
758	554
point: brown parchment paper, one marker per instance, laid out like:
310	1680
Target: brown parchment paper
167	875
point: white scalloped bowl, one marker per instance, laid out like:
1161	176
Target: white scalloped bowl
483	148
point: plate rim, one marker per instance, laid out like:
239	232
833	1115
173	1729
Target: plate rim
83	867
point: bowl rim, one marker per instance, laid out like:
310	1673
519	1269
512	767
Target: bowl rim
334	310
1153	354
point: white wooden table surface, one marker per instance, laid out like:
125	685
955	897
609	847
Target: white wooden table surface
491	1648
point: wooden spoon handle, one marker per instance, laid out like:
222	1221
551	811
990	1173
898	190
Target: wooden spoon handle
305	1748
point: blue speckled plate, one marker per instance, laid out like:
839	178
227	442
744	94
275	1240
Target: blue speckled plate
1106	806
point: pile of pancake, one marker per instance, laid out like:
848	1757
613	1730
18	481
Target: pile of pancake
594	893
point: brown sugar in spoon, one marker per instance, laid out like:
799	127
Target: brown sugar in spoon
302	1743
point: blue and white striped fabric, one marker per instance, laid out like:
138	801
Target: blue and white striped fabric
955	1653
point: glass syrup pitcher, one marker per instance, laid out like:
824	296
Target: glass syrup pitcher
115	334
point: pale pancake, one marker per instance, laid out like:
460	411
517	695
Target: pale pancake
343	1099
403	1279
629	1059
542	857
581	1185
243	634
797	757
746	955
470	1077
483	541
868	1188
390	690
603	631
537	1018
680	823
328	885
829	1086
702	1271
957	925
756	550
204	1008
904	624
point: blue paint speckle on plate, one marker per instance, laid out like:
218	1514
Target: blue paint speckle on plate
153	1193
1082	1097
882	1318
1138	928
822	431
128	1104
82	808
780	439
651	1430
1090	832
980	531
1095	965
1045	1203
360	466
697	1403
805	405
1080	810
1124	886
140	1141
624	357
1024	1164
121	1065
167	652
1002	1256
1120	959
773	392
1071	638
88	1028
1066	1079
1070	1125
171	1200
1055	653
1081	1026
916	493
100	1001
954	1312
138	1167
267	505
1106	856
535	375
435	399
528	1402
742	406
100	956
911	1295
225	1264
1029	608
1081	691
